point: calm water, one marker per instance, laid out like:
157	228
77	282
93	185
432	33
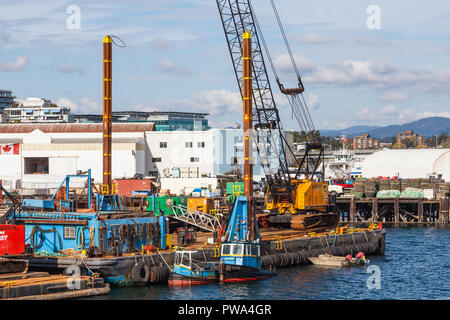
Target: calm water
416	266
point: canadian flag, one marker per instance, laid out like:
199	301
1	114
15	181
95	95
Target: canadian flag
10	148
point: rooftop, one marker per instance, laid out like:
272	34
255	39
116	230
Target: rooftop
75	127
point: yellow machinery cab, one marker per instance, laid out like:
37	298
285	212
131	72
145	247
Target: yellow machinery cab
307	195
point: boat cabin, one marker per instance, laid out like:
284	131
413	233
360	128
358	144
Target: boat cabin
185	265
241	254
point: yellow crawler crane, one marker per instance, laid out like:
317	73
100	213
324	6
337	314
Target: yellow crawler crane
296	195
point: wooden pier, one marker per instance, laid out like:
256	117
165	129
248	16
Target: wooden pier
393	210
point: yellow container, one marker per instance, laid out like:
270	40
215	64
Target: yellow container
168	241
201	204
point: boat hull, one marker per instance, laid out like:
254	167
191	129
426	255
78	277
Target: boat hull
242	274
180	280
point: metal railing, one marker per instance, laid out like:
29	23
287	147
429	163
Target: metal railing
196	218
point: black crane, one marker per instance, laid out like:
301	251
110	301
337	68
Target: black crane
238	16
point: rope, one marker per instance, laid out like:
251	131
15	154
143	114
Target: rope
165	261
94	274
122	43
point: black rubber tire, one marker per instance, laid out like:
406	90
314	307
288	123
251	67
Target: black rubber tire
115	251
140	273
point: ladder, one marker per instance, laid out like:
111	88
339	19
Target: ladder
196	218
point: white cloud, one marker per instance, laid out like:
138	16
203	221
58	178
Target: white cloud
16	65
70	68
167	66
313	102
315	38
85	106
283	63
388	110
163	44
380	75
143	107
394	97
214	102
392	114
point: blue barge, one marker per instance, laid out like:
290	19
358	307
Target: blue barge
100	233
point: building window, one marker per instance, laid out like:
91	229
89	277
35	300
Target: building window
188	144
195	159
200	144
156	160
36	165
69	232
163	144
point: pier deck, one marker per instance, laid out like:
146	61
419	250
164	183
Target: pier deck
393	210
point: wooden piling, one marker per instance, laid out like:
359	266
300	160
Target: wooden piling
375	210
443	211
420	210
396	210
352	209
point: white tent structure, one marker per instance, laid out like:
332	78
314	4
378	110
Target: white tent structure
407	163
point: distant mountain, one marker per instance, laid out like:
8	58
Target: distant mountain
426	127
349	131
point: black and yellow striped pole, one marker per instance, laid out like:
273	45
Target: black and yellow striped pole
107	113
247	126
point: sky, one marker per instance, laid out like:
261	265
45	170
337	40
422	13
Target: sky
360	64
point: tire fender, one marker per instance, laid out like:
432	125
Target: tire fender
140	273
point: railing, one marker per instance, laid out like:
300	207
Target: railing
196	218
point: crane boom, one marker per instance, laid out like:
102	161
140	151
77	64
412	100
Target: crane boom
237	16
287	192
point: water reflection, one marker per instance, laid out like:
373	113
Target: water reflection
414	267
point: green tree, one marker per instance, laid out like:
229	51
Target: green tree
446	143
442	138
409	143
431	141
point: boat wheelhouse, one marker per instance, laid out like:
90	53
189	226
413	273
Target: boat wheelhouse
189	271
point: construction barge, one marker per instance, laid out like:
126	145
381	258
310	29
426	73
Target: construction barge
279	248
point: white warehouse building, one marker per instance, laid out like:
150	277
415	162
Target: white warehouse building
39	156
408	163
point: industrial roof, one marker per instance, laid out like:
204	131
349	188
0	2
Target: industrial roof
75	127
407	163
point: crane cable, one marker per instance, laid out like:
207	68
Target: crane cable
299	106
285	39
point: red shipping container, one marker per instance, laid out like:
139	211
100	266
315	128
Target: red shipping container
125	187
12	239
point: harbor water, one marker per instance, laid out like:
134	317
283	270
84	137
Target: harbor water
415	266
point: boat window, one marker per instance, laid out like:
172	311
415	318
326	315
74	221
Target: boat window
237	249
226	249
177	258
186	260
248	250
255	250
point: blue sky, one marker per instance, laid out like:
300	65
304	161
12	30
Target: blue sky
176	57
